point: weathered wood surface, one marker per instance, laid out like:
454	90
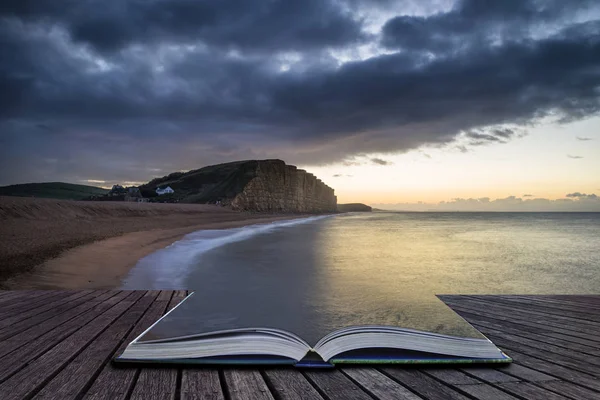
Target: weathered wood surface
58	345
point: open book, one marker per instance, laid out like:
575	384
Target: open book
181	337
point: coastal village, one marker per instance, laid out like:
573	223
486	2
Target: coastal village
135	194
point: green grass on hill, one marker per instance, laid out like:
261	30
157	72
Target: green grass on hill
52	190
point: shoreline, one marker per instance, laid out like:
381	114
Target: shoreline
69	244
105	263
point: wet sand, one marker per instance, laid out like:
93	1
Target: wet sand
53	244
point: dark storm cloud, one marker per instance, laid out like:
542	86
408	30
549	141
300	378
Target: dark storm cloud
100	90
379	161
476	23
110	25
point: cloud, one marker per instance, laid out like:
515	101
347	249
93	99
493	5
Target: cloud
379	161
114	88
527	195
580	202
111	25
584	139
574	157
473	23
342	175
485	136
582	195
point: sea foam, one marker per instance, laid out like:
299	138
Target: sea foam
168	268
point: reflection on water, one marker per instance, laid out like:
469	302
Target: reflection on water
384	268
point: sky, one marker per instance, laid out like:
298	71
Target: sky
465	104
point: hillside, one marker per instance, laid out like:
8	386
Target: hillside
254	185
350	207
208	184
52	190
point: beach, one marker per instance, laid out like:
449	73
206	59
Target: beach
60	244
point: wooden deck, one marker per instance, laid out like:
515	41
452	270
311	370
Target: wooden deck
58	345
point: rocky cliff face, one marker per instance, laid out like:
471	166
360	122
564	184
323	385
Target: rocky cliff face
280	187
256	185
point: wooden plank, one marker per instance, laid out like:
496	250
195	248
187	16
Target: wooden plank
50	305
586	326
526	374
542	357
37	341
31	333
526	321
158	383
246	384
555	303
587	299
539	336
490	375
578	365
52	312
289	384
333	385
32	377
460	381
571	390
518	325
560	371
22	305
201	384
590	364
532	305
422	384
31	300
80	371
27	305
451	376
16	295
379	385
486	392
529	391
115	383
540	319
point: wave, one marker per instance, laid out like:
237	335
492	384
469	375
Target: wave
168	268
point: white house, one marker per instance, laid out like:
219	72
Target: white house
166	190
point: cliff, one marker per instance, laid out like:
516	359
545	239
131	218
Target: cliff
257	185
354	207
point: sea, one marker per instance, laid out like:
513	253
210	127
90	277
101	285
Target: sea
374	268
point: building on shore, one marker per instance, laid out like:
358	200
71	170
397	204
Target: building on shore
166	190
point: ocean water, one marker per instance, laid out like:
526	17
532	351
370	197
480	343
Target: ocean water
373	268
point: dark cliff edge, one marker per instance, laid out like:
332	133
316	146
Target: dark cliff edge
356	207
256	185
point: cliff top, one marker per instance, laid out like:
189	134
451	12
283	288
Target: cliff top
214	182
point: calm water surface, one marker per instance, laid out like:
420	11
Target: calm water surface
380	268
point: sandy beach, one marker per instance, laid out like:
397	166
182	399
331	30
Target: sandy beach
58	244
